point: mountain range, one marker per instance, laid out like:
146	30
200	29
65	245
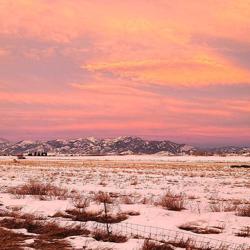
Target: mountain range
117	146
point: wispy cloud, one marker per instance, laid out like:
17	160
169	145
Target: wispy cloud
112	67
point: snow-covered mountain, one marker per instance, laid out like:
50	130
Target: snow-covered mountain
231	150
117	146
93	146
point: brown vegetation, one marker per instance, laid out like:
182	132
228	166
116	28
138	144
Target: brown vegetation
10	240
151	245
244	232
201	230
243	210
221	206
45	229
173	201
43	190
97	216
102	235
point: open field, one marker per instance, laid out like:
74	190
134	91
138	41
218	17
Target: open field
60	202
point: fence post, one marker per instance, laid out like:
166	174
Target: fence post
106	216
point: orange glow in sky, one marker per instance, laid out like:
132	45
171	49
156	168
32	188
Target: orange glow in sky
177	70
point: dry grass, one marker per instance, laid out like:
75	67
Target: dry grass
101	235
151	245
190	244
50	234
201	230
133	213
243	210
10	240
50	244
244	232
62	214
222	206
97	216
173	201
183	243
43	190
126	199
80	202
102	197
45	229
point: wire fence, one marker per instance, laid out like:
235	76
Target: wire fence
170	236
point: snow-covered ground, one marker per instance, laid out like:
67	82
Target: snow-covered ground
143	158
212	191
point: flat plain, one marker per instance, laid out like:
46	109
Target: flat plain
141	202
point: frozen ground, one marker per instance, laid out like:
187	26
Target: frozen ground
145	158
212	194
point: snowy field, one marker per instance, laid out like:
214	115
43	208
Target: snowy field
60	202
144	158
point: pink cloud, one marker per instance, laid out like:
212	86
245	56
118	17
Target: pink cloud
124	67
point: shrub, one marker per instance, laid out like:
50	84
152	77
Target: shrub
97	216
43	190
150	245
50	244
133	213
45	229
173	201
127	200
244	232
200	230
101	235
61	214
102	197
11	240
221	206
80	202
243	210
77	215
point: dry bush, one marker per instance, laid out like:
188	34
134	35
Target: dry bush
191	244
102	197
50	234
50	244
97	216
80	202
16	208
112	218
132	213
201	230
243	210
173	201
101	235
183	243
126	199
43	190
6	213
221	206
61	214
45	229
53	230
244	232
77	215
150	245
19	215
10	240
147	200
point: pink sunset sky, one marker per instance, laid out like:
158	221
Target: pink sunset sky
158	69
